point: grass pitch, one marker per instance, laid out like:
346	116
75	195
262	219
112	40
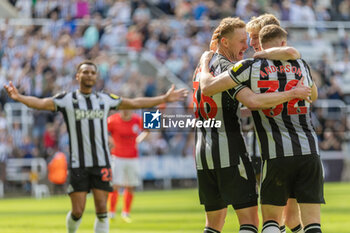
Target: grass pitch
175	211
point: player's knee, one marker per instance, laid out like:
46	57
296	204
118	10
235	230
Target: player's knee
129	189
101	207
77	214
216	221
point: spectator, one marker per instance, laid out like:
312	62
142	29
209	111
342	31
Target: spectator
330	142
199	10
25	8
120	11
82	8
58	171
50	139
142	13
134	39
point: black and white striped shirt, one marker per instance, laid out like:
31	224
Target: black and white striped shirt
86	119
218	148
285	130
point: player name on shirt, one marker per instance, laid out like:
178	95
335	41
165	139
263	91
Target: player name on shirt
280	69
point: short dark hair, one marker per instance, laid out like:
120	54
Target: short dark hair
271	32
86	62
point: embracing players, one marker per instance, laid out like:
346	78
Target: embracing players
225	174
288	142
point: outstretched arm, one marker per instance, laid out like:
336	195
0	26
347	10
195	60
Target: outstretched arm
30	101
278	53
256	101
146	102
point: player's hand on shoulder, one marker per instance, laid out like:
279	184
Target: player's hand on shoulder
205	59
11	91
173	95
302	91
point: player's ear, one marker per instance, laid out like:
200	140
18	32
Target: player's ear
224	41
283	43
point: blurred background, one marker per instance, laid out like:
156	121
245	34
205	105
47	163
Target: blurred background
141	47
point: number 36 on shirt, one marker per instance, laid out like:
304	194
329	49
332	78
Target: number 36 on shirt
272	86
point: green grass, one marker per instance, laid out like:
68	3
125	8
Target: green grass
153	211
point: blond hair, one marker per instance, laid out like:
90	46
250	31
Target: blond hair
257	23
271	32
227	26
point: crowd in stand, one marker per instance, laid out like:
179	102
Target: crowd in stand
41	59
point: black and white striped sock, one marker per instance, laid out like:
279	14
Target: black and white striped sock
297	229
313	228
210	230
271	227
101	223
283	229
248	228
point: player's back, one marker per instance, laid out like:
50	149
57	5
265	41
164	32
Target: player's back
217	147
285	130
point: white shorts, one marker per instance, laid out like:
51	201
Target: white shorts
126	172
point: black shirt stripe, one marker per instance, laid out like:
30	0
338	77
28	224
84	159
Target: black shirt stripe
257	119
79	132
282	78
215	150
236	144
65	117
204	133
102	107
261	135
202	149
92	135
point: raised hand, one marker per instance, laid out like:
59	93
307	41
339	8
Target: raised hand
173	95
302	91
12	91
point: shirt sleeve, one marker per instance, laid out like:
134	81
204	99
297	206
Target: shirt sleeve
309	76
60	100
240	72
237	89
114	101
